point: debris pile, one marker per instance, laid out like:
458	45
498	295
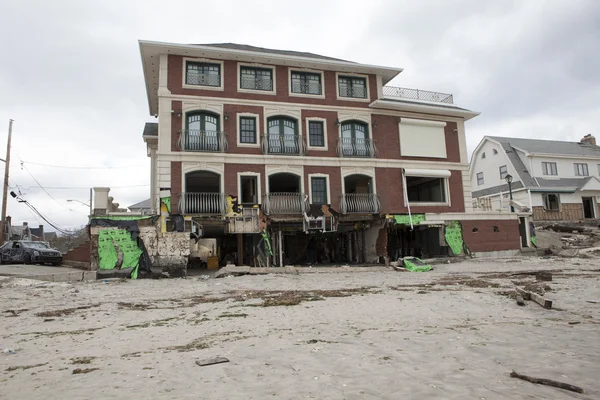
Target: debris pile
568	240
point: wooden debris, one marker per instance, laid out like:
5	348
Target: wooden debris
543	276
541	300
520	300
548	382
593	301
523	293
211	361
574	322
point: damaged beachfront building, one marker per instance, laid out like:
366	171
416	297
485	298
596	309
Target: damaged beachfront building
269	157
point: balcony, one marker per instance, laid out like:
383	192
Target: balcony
195	140
285	203
360	203
417	94
283	144
356	147
202	203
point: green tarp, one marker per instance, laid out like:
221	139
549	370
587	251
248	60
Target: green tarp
534	240
267	242
107	252
405	219
454	237
167	202
415	264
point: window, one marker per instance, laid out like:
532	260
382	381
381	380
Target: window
316	136
549	168
318	187
282	136
503	172
248	189
480	178
483	155
306	83
203	74
248	130
202	133
351	86
355	139
581	169
426	189
551	201
256	78
495	151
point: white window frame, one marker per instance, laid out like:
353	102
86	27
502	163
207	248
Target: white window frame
337	87
238	132
318	175
316	119
547	171
546	202
312	71
500	171
576	167
254	65
239	185
207	61
482	179
431	203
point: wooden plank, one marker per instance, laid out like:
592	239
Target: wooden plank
549	382
543	276
541	300
211	361
523	293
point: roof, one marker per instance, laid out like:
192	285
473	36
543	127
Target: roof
390	103
245	47
496	189
550	146
516	161
145	204
563	183
150	129
50	235
39	232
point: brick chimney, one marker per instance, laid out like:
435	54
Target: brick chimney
588	139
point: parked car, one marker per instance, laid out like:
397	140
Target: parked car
21	251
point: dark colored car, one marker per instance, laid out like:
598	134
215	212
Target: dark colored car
21	251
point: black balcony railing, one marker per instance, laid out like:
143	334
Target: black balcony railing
360	203
356	147
417	94
283	144
202	203
196	140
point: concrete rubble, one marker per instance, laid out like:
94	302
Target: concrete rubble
572	240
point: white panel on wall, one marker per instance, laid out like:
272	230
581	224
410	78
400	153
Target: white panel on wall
422	138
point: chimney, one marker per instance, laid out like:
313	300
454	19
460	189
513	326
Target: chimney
588	139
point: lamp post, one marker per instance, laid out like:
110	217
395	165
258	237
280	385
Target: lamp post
83	204
508	179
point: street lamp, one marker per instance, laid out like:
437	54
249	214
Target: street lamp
83	204
508	179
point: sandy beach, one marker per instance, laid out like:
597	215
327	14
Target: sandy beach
452	333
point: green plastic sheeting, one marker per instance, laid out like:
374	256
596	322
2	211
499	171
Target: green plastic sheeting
534	240
108	252
267	242
124	217
405	219
454	237
416	264
167	201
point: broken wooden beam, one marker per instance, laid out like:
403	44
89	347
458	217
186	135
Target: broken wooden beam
211	361
548	382
543	276
520	300
523	293
541	300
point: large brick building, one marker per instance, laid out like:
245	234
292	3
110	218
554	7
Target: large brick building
316	156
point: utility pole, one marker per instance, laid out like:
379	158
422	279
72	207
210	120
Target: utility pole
5	193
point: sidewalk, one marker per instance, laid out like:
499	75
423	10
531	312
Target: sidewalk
45	273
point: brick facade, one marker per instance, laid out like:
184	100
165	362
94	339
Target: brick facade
480	235
568	212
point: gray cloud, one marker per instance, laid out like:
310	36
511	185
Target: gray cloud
72	77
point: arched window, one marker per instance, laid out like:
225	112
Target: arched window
483	155
282	136
202	132
495	151
355	139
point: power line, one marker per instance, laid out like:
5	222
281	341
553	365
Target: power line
45	191
81	167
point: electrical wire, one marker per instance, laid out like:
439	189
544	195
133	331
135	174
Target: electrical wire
40	185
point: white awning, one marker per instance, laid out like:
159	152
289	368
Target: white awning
430	173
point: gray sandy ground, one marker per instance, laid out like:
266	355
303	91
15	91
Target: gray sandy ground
454	333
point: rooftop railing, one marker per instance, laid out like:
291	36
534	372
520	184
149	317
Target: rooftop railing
417	94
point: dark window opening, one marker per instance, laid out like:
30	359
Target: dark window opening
256	78
284	183
475	229
202	182
358	184
316	135
249	190
350	86
425	189
496	229
319	190
203	74
551	201
248	130
306	83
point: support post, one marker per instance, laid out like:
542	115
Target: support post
280	248
240	249
5	192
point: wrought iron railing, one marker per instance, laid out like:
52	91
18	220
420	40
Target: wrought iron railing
196	140
417	94
306	87
202	203
285	203
354	92
258	83
194	78
364	203
283	144
356	147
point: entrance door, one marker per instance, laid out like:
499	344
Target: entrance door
523	232
588	207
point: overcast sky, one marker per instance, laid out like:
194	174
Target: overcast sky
72	80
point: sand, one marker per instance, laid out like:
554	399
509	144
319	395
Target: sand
452	333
